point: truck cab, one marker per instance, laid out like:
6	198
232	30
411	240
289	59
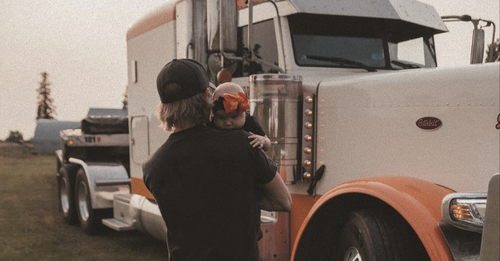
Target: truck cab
339	87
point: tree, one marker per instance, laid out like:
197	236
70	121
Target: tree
15	136
496	51
45	106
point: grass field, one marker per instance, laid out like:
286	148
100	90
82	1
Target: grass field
31	227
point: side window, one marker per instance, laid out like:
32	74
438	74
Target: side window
264	47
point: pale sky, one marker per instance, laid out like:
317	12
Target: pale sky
82	45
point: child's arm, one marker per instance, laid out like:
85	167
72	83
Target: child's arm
261	142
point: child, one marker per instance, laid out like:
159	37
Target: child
230	113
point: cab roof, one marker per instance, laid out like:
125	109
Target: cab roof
406	10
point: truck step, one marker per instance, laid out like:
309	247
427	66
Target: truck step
117	224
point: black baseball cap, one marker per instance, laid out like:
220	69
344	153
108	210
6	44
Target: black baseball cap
188	74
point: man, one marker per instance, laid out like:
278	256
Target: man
205	180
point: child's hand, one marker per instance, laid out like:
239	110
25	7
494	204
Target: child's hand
261	142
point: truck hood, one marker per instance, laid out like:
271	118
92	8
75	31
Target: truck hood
313	77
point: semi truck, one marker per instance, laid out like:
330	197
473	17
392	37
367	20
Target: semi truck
386	155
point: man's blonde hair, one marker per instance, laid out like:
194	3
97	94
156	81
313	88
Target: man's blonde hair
185	113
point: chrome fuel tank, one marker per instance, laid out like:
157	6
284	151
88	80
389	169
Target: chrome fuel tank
274	101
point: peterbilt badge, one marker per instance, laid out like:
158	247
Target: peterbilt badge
429	123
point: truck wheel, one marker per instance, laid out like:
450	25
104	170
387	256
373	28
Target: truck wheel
67	205
90	220
381	234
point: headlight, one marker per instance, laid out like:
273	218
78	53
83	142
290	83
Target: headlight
465	210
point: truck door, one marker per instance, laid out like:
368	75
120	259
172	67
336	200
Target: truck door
139	139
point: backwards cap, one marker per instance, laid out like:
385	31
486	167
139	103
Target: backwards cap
188	74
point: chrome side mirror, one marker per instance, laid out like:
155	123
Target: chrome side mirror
477	48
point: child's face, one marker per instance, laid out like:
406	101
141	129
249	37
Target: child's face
228	121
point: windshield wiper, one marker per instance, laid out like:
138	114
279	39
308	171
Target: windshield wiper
406	65
342	61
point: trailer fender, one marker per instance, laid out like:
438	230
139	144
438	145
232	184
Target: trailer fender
105	180
416	200
59	157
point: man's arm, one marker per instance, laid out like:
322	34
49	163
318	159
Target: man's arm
274	196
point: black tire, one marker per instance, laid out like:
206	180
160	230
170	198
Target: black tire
90	219
374	235
66	187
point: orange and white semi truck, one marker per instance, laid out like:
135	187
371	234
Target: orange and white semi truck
386	156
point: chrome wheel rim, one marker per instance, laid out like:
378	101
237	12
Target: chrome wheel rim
64	195
82	201
352	254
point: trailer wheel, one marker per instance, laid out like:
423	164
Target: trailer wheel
67	205
381	234
90	219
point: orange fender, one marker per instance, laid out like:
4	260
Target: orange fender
418	201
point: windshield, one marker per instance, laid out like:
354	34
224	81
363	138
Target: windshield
354	42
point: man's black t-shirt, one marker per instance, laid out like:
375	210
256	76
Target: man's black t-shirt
203	181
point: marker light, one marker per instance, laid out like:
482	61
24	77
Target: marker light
306	175
461	212
70	143
308	99
308	125
466	211
224	75
307	163
308	112
307	150
308	137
